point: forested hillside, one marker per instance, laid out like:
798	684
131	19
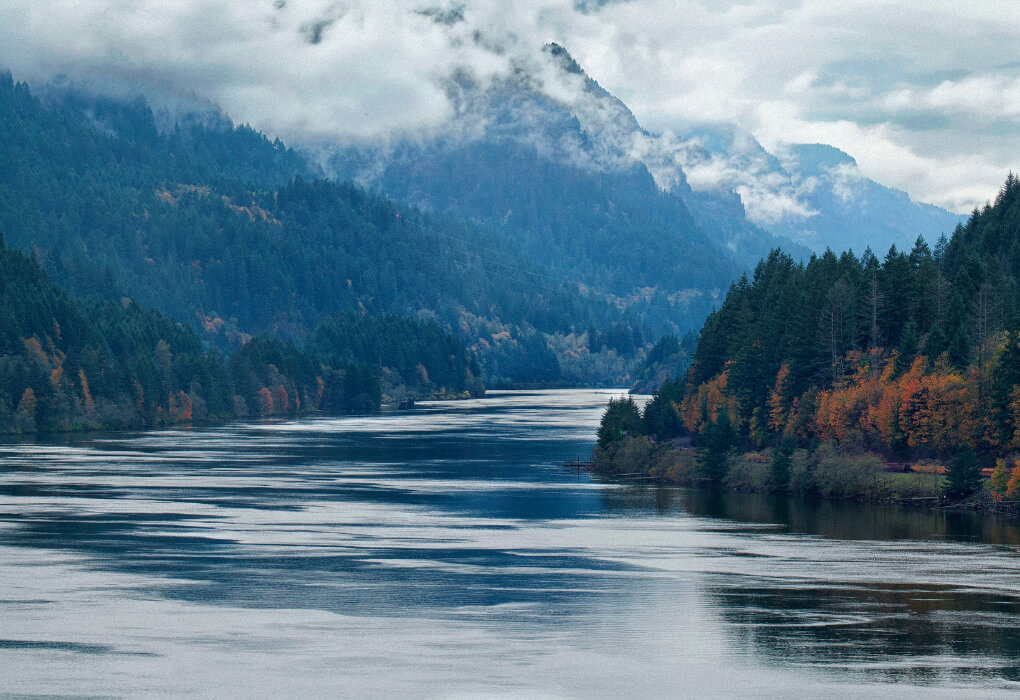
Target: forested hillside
914	351
615	230
73	364
231	233
413	358
913	355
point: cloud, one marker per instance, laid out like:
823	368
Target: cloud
920	92
304	69
768	193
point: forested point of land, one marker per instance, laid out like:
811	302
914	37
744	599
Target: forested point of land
913	357
70	364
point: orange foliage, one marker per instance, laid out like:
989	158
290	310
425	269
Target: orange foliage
33	348
704	406
90	405
779	405
265	401
931	410
180	409
28	402
934	412
281	400
852	409
928	410
1013	486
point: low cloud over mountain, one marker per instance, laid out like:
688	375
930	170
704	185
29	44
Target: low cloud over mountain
926	106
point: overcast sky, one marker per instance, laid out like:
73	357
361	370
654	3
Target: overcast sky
924	93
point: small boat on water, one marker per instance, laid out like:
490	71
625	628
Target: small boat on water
406	405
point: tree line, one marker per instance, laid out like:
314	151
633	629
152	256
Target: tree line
76	364
915	355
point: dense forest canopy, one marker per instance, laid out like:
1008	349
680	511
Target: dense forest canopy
914	354
74	364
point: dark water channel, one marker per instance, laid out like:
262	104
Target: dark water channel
447	552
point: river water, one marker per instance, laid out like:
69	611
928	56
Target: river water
448	553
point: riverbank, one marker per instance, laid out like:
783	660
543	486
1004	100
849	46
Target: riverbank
165	420
827	473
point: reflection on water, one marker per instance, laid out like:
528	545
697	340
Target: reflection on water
448	552
830	519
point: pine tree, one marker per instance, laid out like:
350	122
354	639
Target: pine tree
719	439
620	420
964	476
782	461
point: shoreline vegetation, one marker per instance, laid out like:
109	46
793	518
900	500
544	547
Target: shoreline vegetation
72	364
851	377
826	472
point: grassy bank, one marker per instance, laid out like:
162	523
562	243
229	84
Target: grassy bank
825	472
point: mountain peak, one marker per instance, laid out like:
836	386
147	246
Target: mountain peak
563	56
817	157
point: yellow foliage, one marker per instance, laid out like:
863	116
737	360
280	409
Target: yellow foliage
779	405
704	406
90	405
33	348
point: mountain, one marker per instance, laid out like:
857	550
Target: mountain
561	166
813	194
233	234
543	225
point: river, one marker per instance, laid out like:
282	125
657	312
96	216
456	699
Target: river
446	552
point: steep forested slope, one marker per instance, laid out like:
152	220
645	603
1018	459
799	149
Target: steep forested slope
73	364
417	356
915	354
229	232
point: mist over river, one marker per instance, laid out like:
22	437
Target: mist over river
447	552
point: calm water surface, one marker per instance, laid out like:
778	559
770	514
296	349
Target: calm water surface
447	552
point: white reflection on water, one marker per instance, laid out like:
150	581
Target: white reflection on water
446	552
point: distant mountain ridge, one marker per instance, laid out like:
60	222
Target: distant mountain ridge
813	194
739	196
543	224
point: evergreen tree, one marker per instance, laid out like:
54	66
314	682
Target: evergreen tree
621	419
782	461
719	440
660	416
785	356
964	476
